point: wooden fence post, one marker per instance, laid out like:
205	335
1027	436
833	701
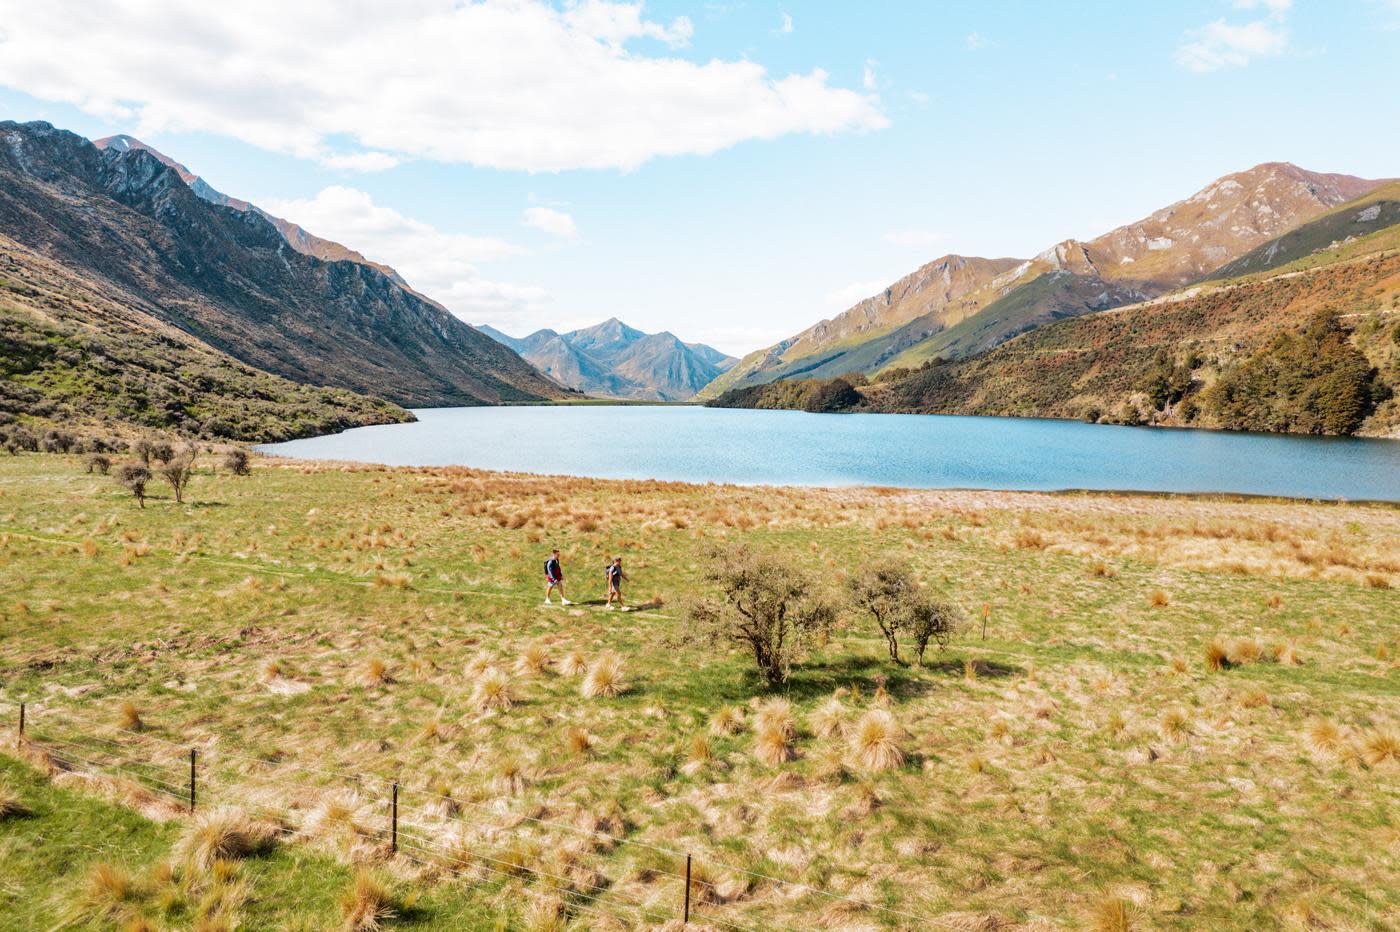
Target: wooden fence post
394	820
192	776
687	890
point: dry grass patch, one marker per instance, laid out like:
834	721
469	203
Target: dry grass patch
727	720
223	834
492	691
366	904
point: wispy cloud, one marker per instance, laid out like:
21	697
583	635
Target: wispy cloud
551	221
847	295
441	265
785	27
1223	44
494	83
975	41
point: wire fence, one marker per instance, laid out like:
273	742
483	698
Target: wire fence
579	870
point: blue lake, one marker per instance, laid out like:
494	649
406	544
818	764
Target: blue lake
695	444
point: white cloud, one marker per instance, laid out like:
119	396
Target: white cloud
868	79
1221	44
914	239
551	221
919	97
359	161
438	264
785	29
848	295
509	84
976	41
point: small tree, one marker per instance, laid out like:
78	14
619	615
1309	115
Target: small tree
141	449
236	461
932	620
98	462
764	605
886	591
135	476
162	451
177	469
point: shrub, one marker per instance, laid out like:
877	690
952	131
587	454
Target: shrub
135	477
177	469
58	441
764	605
97	462
884	591
236	461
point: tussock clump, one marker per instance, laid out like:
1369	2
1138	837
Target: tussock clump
604	679
376	673
478	665
1323	737
728	720
131	717
492	691
829	720
701	753
223	834
511	776
1114	914
11	806
105	894
545	914
578	740
1244	650
1381	746
875	741
533	660
574	664
1217	655
775	715
436	731
773	745
366	904
1176	724
1158	599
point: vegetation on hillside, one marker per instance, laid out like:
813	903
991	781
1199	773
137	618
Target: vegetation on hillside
817	396
69	354
1165	688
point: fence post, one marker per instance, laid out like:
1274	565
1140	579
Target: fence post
192	784
986	611
19	742
687	890
394	820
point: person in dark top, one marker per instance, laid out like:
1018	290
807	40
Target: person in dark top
615	578
554	578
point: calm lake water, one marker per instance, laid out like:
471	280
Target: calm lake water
694	444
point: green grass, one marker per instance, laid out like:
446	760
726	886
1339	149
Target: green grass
1019	799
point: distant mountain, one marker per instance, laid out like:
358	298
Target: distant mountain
614	360
129	224
1299	335
958	306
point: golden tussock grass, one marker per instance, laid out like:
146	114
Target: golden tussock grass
772	745
1102	570
701	752
11	806
1176	724
366	904
1323	737
1114	914
478	665
1158	599
829	719
271	670
104	895
1381	746
376	673
492	691
533	660
222	834
578	741
727	720
573	664
604	679
131	717
875	741
775	715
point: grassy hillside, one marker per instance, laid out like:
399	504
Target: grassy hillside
72	351
1093	757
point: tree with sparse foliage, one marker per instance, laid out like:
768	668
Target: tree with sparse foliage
97	462
764	605
888	592
236	461
177	469
135	476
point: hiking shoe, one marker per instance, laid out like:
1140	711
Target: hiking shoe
566	602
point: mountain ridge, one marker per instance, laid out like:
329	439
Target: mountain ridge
614	360
1176	244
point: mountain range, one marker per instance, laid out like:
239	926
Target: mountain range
1299	334
127	230
613	360
957	306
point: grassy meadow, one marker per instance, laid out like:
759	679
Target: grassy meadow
1185	712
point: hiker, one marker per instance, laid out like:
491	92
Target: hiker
615	578
554	578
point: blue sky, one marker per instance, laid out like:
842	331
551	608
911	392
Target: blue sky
553	166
